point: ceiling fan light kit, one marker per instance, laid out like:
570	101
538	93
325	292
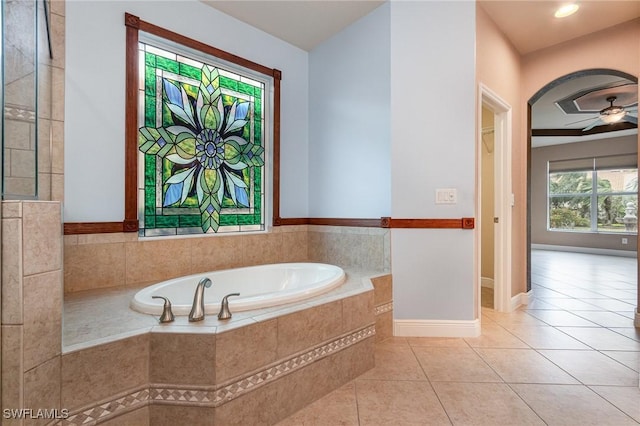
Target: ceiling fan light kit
612	114
611	118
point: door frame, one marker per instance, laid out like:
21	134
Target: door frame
503	197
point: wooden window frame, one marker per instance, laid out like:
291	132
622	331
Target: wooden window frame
133	26
131	224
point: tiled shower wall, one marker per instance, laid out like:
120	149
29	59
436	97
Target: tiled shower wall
32	293
121	260
22	163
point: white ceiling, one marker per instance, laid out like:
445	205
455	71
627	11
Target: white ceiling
303	23
529	24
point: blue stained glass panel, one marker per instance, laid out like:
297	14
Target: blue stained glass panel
209	143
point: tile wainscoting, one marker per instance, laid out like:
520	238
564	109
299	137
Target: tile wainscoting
256	369
94	261
147	376
31	305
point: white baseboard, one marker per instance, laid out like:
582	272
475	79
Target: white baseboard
589	250
521	299
436	328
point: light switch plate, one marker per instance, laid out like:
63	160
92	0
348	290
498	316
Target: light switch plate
446	196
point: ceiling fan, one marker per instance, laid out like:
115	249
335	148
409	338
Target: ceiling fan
610	115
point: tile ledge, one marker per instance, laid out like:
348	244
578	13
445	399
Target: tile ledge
357	282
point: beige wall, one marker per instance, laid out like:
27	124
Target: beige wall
517	78
614	48
539	159
498	67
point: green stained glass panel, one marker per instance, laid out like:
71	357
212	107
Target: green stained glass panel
245	88
150	59
150	222
257	132
149	177
228	83
150	111
199	189
229	219
167	221
189	221
167	64
149	208
190	71
150	82
246	219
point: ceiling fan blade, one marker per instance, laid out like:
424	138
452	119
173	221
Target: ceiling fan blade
580	121
631	119
592	125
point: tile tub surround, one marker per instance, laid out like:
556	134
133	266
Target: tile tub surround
383	306
288	351
96	261
351	247
32	305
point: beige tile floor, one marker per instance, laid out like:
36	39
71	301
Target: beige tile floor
572	357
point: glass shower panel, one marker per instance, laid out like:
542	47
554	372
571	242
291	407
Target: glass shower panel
20	99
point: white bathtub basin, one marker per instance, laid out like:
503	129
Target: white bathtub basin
259	287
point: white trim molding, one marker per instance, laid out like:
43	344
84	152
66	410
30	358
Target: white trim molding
503	194
436	328
589	250
521	299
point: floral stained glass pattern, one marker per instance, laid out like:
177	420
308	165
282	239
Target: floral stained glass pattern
201	147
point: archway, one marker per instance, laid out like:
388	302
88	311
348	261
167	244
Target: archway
576	122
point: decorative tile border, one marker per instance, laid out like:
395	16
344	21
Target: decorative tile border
17	113
164	394
383	308
240	387
182	396
129	402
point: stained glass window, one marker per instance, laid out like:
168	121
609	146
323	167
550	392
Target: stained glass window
201	146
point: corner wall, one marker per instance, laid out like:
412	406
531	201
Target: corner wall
499	69
432	146
349	121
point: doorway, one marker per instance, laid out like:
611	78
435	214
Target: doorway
487	209
494	210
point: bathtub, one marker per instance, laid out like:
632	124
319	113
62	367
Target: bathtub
259	287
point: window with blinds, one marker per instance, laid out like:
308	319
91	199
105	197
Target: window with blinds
597	194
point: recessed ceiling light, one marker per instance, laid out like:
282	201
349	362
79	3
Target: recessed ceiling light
566	10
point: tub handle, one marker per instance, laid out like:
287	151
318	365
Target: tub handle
225	313
167	314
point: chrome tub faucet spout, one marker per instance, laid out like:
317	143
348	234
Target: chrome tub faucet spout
197	310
